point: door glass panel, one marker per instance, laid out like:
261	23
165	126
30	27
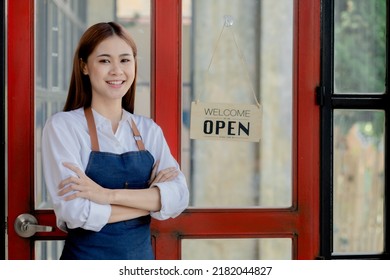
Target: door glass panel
358	194
237	249
59	25
230	174
359	46
48	250
135	16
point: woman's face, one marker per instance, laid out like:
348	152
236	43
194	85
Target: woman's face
111	69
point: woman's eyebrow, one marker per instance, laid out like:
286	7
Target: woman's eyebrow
124	54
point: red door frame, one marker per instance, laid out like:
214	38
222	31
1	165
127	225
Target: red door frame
300	222
20	104
166	70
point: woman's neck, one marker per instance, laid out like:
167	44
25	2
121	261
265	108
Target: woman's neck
111	111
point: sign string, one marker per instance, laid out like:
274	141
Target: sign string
228	22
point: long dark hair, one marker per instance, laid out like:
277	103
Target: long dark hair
80	90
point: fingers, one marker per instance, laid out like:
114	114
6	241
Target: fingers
75	195
72	183
75	169
166	175
71	197
70	180
81	186
70	188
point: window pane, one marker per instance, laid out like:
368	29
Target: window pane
135	16
230	174
48	250
57	31
359	46
358	209
237	249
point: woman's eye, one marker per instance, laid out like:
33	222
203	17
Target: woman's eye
104	61
125	60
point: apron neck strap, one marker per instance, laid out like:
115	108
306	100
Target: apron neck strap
93	134
137	136
92	129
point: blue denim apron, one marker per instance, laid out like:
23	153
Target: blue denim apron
127	240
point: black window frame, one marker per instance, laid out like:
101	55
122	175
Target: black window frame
328	102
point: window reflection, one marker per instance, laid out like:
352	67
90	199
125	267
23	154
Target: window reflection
358	192
359	46
237	249
48	250
59	26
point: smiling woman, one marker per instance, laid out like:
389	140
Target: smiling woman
108	171
111	70
98	44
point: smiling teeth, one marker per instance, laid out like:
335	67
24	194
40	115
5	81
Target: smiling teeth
115	82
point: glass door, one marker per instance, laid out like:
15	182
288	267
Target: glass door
232	174
252	196
252	200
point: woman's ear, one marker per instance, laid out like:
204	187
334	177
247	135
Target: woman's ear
83	67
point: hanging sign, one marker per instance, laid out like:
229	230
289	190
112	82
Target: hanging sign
222	121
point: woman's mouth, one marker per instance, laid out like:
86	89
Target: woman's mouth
115	83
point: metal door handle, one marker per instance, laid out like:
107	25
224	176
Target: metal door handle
26	225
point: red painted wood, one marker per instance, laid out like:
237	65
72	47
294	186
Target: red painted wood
306	131
20	120
166	94
223	223
231	222
166	70
47	218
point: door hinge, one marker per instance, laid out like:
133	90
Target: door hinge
320	95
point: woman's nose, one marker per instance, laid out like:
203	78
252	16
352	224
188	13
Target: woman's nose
116	69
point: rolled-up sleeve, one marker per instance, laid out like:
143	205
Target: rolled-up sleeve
60	144
174	194
174	199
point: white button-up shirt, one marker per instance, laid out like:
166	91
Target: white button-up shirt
66	139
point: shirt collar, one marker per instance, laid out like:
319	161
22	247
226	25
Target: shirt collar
100	120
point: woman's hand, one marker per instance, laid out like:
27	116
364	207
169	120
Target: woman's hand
164	175
84	187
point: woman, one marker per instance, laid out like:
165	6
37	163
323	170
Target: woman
107	170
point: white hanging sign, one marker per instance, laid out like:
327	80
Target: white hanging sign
222	121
